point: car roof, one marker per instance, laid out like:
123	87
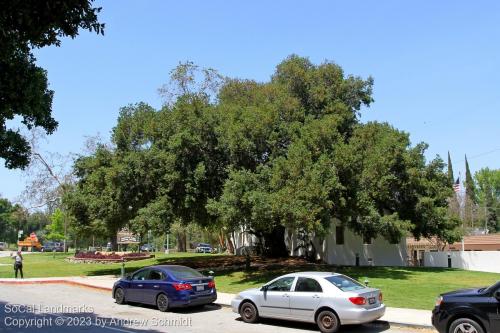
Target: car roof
313	274
166	266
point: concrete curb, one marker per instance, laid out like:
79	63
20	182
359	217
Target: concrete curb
225	305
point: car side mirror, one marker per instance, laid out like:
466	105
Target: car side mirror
128	277
264	288
496	294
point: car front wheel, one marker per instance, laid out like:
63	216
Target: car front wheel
162	302
328	322
120	296
249	313
465	325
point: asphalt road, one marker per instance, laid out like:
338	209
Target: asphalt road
60	308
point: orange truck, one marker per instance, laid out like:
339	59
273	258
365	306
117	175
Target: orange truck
31	243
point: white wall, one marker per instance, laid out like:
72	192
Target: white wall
484	261
380	251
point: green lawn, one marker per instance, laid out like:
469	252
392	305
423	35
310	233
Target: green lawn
402	287
50	265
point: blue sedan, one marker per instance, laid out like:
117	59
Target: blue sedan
166	286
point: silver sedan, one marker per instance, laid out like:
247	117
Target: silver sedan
327	299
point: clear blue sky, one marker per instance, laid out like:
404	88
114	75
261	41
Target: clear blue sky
436	64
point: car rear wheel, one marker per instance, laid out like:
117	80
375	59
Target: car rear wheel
465	325
249	313
120	296
328	322
162	302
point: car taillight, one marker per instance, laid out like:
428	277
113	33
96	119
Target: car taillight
182	286
211	284
380	297
358	300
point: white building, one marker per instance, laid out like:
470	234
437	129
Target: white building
343	247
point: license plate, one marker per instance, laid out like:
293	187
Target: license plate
200	288
371	300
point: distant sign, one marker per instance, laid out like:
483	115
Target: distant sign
124	236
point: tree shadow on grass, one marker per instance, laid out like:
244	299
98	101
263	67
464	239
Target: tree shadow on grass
264	275
263	270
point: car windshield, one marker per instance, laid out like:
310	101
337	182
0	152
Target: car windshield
181	273
344	283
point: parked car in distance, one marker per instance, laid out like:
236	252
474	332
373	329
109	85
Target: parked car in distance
3	246
325	298
166	286
204	248
147	248
468	311
52	247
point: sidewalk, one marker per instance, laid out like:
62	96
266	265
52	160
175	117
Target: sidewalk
396	316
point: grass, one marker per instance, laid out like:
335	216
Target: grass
405	287
50	265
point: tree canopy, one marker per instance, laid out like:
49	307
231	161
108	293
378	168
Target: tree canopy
24	90
262	157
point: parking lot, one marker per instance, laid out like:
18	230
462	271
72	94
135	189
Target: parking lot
60	308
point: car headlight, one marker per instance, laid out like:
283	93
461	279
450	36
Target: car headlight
439	301
238	297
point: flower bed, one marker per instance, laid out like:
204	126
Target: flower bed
104	257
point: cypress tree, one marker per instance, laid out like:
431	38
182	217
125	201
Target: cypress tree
451	179
470	188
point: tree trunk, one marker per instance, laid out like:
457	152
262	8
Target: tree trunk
114	241
181	241
230	245
274	243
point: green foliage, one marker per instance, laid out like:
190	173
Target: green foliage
261	157
55	230
8	226
451	179
470	186
488	193
24	92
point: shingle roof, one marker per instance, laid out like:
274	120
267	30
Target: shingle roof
491	239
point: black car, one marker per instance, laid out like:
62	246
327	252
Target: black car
468	311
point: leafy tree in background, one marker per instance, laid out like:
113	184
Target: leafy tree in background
488	188
55	230
24	92
8	230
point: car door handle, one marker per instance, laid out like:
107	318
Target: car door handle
315	296
285	295
139	285
156	286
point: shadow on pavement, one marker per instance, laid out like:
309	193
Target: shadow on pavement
13	320
375	327
187	310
